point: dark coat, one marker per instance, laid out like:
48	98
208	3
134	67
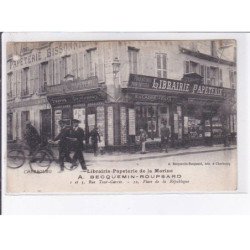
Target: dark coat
95	136
165	133
78	134
32	136
62	137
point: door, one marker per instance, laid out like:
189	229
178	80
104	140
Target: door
25	116
46	123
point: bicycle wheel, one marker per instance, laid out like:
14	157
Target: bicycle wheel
16	158
69	166
41	161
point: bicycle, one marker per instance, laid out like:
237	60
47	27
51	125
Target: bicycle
39	161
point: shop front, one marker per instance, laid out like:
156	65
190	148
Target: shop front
190	109
84	100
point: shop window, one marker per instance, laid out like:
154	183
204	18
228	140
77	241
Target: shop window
133	60
25	82
232	78
66	115
161	63
90	62
44	76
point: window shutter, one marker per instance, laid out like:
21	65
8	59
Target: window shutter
100	68
80	59
74	65
18	82
62	69
86	66
57	70
14	83
36	75
69	65
50	72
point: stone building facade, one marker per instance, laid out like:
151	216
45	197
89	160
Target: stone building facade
122	86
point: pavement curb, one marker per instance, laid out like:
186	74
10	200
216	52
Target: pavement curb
165	155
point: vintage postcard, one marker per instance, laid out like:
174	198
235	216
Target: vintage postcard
121	116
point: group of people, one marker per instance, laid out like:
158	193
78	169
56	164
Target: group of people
69	139
165	136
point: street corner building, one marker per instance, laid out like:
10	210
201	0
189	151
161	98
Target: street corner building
122	86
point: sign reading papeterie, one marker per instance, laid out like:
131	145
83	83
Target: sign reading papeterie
175	86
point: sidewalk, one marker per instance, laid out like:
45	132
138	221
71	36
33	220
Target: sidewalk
116	157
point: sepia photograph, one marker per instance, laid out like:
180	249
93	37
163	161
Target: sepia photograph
121	116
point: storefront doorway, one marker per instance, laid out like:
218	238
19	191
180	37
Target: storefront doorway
46	123
150	118
25	116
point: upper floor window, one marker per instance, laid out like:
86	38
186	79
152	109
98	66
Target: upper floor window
214	75
232	78
25	82
210	75
133	60
191	67
10	85
91	62
44	76
161	61
65	66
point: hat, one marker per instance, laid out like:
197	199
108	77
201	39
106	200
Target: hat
28	122
76	121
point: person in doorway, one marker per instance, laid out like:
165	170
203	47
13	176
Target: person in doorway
32	137
63	145
95	138
165	134
143	138
77	135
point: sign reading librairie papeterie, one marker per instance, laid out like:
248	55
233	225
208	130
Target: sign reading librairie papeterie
175	86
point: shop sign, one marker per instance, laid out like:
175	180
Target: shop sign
27	103
175	86
45	54
149	98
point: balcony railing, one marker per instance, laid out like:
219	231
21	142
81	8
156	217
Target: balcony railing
73	86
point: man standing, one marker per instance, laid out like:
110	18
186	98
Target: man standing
95	138
63	144
165	134
77	136
32	137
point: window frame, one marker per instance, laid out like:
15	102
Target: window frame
162	70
